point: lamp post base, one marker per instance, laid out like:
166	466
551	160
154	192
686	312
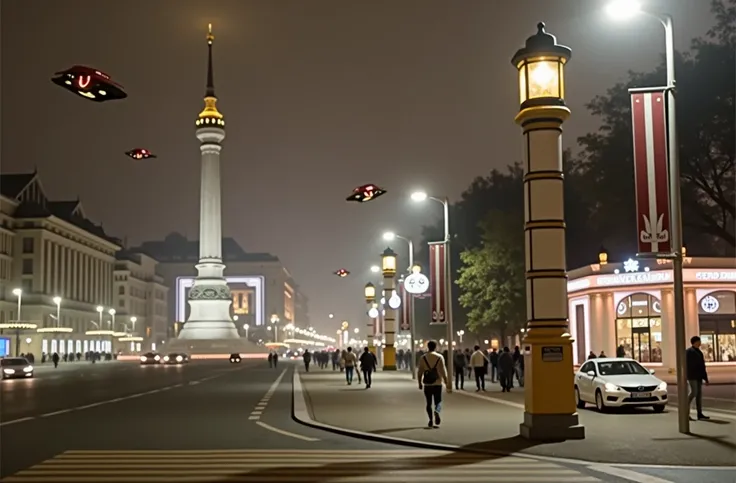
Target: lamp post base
551	427
389	358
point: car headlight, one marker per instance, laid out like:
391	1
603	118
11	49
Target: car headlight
28	369
166	358
662	386
9	371
611	387
179	358
157	358
143	359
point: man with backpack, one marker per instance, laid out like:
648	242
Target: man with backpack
431	374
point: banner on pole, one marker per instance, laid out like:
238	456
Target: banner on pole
437	285
649	126
405	308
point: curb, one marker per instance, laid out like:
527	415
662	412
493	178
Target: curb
300	413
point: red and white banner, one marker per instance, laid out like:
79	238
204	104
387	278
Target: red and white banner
437	287
405	307
649	126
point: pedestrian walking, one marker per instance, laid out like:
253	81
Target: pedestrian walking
696	374
270	359
368	364
460	363
307	359
478	362
349	359
493	357
506	370
431	374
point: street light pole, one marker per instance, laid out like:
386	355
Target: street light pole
57	301
627	8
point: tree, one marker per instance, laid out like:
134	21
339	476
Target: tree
491	278
706	81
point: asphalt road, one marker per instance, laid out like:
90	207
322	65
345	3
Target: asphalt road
121	422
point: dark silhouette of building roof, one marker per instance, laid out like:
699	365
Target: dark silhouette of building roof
177	248
12	184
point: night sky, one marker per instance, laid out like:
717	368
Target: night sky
319	96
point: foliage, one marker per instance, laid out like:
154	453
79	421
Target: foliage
492	276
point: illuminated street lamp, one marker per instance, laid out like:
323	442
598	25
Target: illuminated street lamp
375	268
18	292
246	327
112	313
388	268
550	411
461	333
624	9
57	301
275	320
133	320
419	197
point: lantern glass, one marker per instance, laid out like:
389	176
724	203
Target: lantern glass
541	77
389	264
370	292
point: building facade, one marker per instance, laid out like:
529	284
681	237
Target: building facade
140	300
49	252
629	307
260	285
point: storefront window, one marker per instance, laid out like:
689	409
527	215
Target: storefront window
717	317
639	328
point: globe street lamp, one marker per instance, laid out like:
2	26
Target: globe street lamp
133	320
18	292
375	268
461	333
624	9
275	320
550	411
421	196
388	268
246	327
389	236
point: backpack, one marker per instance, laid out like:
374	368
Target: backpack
431	375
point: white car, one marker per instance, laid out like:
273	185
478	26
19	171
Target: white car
611	382
16	367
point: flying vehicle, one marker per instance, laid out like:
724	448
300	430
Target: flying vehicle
140	153
365	193
89	83
342	273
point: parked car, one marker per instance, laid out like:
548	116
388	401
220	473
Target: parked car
611	382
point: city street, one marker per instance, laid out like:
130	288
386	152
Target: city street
211	421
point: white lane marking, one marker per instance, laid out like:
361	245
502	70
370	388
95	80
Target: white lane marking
492	399
254	418
285	433
193	383
627	474
57	412
19	420
261	406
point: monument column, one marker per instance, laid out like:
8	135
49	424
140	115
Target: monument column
209	297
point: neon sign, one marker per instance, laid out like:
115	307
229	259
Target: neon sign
633	278
729	276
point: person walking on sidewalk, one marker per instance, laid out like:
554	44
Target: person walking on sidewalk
368	364
460	363
506	370
307	359
431	374
478	362
696	374
493	357
349	360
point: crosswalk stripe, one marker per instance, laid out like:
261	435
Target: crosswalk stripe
291	466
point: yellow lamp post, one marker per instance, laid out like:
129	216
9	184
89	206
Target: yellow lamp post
388	267
549	398
370	299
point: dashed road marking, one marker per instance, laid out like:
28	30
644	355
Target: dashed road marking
261	406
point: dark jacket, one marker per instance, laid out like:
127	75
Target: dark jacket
695	365
506	362
367	361
460	361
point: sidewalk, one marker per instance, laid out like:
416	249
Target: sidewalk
394	407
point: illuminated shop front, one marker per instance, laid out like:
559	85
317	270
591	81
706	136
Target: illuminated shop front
628	308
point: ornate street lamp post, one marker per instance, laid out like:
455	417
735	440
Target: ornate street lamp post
388	267
549	401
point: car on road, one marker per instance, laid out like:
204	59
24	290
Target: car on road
611	382
150	358
16	367
176	358
234	358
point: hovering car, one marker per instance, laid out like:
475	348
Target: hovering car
16	367
610	382
234	358
89	83
342	273
140	153
365	193
150	358
176	358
